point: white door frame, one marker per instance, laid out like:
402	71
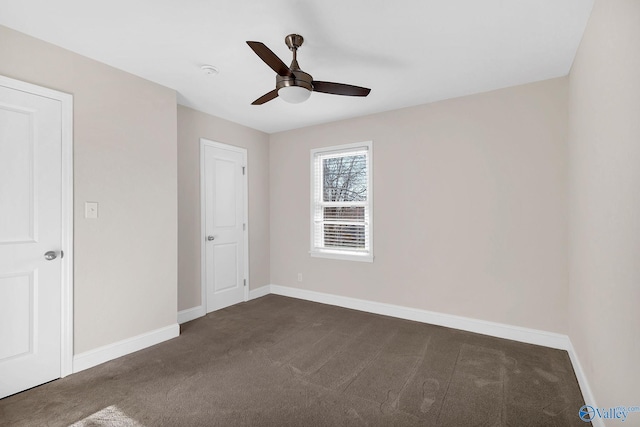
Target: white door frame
245	178
66	301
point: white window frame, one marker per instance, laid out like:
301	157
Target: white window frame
342	254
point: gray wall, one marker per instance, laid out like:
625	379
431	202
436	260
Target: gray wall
193	125
125	158
604	179
469	206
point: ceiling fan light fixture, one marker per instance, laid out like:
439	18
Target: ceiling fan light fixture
294	94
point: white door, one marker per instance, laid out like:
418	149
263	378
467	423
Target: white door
224	226
30	239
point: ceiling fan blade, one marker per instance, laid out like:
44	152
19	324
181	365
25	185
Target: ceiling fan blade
266	97
340	89
270	58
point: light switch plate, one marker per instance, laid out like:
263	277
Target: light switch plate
91	210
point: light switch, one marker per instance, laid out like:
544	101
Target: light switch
91	210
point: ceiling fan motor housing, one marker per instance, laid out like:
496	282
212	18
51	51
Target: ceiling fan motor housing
299	78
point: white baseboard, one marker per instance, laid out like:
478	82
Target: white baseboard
587	394
193	313
259	292
500	330
92	358
190	314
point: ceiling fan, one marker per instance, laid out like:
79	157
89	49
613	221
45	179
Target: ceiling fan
292	84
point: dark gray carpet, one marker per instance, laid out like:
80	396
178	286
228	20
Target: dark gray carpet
278	361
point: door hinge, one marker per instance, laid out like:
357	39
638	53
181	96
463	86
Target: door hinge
245	282
244	227
243	170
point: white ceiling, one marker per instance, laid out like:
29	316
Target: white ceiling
408	52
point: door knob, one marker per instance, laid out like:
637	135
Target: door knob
210	238
50	255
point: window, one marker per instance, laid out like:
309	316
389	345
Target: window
341	202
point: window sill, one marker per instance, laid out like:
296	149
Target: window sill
342	256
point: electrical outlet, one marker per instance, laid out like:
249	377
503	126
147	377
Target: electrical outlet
91	210
299	277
